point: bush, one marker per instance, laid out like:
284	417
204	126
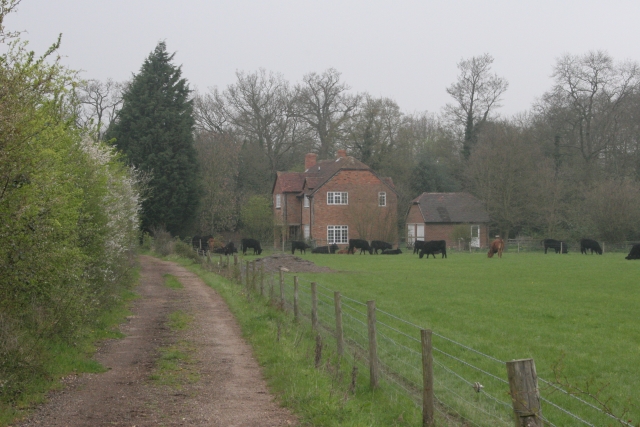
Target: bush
185	250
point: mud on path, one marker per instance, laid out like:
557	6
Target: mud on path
229	389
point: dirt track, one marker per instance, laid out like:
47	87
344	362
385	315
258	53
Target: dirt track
228	391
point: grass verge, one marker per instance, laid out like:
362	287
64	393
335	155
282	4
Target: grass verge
331	394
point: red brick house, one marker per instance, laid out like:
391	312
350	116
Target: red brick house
435	216
333	201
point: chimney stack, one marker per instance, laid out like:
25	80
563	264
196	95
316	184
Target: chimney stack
310	160
342	153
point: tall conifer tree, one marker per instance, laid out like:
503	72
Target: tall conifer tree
154	129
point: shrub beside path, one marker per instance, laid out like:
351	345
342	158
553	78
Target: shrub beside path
226	387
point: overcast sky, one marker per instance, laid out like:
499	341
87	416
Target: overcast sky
405	50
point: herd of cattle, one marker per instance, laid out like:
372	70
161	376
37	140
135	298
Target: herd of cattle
432	247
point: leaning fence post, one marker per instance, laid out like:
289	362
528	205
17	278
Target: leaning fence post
235	260
525	397
373	344
296	314
339	335
314	306
427	379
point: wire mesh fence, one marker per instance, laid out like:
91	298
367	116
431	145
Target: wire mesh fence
470	387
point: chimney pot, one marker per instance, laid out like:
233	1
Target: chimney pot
310	160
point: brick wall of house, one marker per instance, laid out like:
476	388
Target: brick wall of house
278	214
362	214
414	216
293	208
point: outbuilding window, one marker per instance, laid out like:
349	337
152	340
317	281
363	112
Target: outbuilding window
306	201
337	198
278	201
337	234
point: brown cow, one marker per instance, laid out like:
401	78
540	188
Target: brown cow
497	246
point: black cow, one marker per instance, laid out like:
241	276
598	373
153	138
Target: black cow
635	252
557	245
302	246
391	252
361	244
433	247
380	245
418	245
250	243
228	249
325	249
592	245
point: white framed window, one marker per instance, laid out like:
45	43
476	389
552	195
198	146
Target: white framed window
337	198
382	198
337	234
306	201
278	201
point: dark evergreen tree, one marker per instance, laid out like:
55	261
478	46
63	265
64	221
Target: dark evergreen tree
154	129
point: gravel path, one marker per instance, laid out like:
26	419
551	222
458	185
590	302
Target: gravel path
227	388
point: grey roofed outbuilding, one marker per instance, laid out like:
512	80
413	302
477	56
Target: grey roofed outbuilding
451	208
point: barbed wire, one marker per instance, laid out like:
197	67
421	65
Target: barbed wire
470	365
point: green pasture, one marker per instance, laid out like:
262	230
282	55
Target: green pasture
577	313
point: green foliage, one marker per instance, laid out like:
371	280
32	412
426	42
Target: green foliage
257	218
69	215
185	250
154	130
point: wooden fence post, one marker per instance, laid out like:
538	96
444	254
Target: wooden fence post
296	313
525	397
235	260
246	275
339	335
262	279
314	306
253	276
228	265
373	344
427	379
281	288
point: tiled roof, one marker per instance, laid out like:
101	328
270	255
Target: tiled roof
451	207
291	181
321	172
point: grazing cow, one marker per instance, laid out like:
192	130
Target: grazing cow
433	247
361	244
418	245
592	245
557	245
302	246
250	243
380	245
635	252
325	249
391	252
228	249
497	246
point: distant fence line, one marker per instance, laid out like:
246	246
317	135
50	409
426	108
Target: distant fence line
464	383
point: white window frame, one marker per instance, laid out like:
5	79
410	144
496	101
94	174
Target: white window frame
337	234
382	198
337	198
306	201
278	201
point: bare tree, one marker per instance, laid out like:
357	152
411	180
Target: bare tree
99	103
257	108
587	104
477	94
322	102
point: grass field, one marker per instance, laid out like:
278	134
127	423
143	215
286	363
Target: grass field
576	311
